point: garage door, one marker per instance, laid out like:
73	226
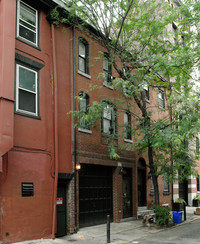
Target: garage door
95	194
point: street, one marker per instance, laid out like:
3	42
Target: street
186	233
133	232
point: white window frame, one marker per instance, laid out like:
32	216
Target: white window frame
83	108
151	185
127	123
18	88
107	76
18	24
84	57
147	94
161	99
166	182
109	114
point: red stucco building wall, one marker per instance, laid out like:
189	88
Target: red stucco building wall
28	145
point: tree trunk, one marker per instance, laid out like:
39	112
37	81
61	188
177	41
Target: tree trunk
153	175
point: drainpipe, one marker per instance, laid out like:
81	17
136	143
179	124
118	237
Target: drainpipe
75	154
55	129
172	160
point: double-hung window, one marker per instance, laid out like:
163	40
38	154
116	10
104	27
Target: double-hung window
146	92
26	90
109	123
107	79
197	145
83	108
83	56
27	23
151	186
127	125
161	99
198	178
166	183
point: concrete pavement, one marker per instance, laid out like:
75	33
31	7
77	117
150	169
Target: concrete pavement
121	233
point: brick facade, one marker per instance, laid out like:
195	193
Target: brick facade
42	150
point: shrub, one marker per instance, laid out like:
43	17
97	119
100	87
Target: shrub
180	200
197	197
163	215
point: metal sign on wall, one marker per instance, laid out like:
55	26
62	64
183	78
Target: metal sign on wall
59	201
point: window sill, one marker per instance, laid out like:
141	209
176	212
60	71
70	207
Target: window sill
128	140
85	131
84	74
147	100
163	109
166	193
28	115
127	96
108	135
28	43
108	86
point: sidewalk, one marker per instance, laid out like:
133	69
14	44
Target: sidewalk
121	233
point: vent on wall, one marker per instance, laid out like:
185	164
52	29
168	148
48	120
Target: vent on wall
27	189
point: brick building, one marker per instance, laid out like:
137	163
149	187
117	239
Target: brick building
42	71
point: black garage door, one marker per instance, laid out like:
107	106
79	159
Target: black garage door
95	194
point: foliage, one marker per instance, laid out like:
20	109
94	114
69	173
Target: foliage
197	197
144	49
180	200
163	215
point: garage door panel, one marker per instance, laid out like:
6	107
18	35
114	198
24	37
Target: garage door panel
95	194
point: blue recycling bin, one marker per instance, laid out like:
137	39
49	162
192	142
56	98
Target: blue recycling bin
177	217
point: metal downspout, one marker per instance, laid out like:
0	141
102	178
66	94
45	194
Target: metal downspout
55	100
74	97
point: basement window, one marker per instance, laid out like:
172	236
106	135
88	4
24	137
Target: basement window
27	189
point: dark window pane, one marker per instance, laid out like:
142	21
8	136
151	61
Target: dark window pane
82	50
198	189
27	101
81	64
105	63
197	144
27	34
161	99
27	14
25	24
106	126
166	183
27	79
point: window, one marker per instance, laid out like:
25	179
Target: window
174	28
197	145
146	92
26	90
83	56
127	125
127	89
198	189
166	183
109	123
152	186
83	108
27	23
107	79
161	99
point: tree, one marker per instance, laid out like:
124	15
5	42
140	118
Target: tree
146	47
